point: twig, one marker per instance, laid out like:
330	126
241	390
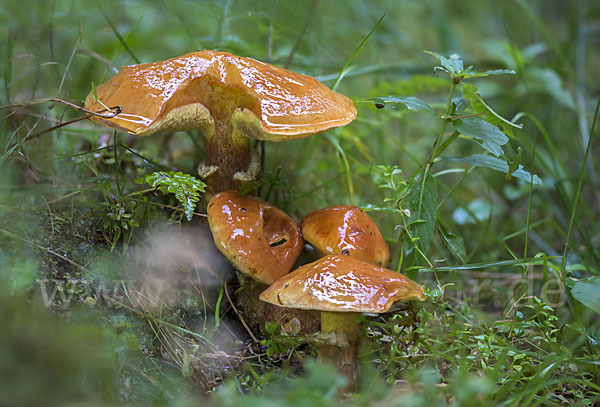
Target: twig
49	129
100	58
239	316
114	111
117	109
52	252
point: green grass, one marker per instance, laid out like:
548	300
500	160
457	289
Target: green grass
136	307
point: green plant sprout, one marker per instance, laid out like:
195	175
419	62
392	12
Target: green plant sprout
185	187
418	200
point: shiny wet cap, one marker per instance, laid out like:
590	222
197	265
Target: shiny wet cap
178	94
339	283
259	239
347	230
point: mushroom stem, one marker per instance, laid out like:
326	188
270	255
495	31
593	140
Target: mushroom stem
339	345
254	310
228	159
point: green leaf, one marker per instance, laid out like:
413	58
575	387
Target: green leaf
500	72
482	160
479	105
454	243
410	102
548	80
362	44
453	64
185	187
587	291
455	67
489	136
422	203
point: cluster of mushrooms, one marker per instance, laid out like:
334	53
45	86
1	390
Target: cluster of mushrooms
231	100
264	243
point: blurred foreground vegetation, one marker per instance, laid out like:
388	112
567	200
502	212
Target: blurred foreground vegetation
108	295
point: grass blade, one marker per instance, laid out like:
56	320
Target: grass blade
356	51
563	273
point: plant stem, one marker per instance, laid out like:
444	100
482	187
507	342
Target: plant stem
115	144
434	152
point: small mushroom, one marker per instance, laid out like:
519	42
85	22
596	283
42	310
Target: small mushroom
263	243
230	98
259	239
341	288
347	230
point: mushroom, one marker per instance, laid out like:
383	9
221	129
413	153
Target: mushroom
341	288
229	98
259	239
263	243
348	230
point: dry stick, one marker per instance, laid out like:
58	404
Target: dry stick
114	111
49	129
117	109
299	38
239	316
99	57
52	252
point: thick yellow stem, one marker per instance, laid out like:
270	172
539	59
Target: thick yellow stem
339	345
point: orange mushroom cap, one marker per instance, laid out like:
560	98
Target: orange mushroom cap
342	284
259	239
346	229
183	93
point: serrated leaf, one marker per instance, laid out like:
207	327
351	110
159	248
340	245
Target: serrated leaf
422	203
482	160
410	102
489	136
455	67
453	64
185	187
587	291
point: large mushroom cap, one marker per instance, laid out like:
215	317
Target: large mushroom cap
340	283
259	239
186	92
346	229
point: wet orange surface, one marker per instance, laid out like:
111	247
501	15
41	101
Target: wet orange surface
286	102
341	283
346	229
261	241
